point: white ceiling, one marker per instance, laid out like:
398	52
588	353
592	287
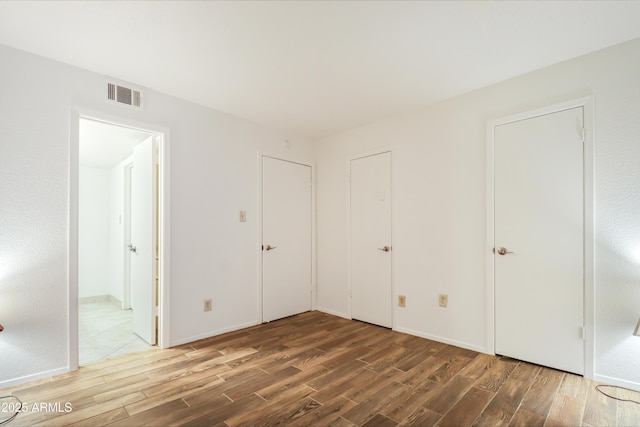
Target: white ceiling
315	67
103	145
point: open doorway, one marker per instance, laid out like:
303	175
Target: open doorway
118	230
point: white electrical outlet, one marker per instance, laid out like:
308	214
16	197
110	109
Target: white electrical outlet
402	301
208	304
443	300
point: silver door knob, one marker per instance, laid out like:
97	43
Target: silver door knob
269	248
503	251
132	248
385	249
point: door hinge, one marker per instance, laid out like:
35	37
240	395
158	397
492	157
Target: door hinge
584	134
582	333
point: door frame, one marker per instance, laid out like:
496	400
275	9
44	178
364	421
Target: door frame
349	159
259	272
164	287
588	211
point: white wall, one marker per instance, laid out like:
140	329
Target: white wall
116	233
93	232
439	161
101	231
213	175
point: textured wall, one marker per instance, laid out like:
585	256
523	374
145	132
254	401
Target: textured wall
440	204
93	232
34	122
618	215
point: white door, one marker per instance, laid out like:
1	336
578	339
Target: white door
370	229
286	238
143	242
539	224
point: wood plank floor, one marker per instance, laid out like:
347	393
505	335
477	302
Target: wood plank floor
315	369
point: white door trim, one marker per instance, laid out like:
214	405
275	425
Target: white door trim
314	290
164	218
589	189
362	155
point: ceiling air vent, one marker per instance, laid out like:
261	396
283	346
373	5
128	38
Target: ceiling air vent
124	95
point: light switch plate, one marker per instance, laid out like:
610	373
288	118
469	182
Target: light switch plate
243	216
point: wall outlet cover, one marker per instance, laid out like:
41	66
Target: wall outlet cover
402	301
443	300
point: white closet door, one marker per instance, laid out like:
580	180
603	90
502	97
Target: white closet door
540	227
286	237
370	230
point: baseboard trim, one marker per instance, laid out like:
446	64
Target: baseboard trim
101	298
96	298
212	334
443	340
115	301
616	381
33	377
333	313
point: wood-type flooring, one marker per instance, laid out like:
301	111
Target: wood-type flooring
314	369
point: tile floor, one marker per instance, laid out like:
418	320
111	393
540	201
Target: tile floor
105	331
